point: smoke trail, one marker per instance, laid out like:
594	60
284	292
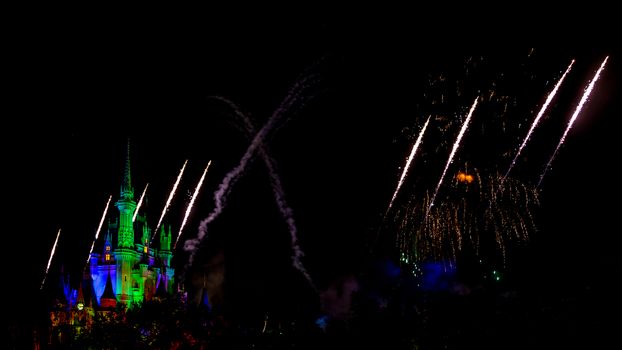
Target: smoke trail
101	222
221	194
586	95
140	202
168	201
277	188
194	197
408	161
451	155
50	260
537	120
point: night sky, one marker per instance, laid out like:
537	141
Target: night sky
77	93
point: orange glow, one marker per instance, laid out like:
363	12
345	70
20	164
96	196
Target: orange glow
107	257
464	177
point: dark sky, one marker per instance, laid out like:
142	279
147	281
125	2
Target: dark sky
78	92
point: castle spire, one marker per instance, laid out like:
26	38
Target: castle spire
127	191
126	206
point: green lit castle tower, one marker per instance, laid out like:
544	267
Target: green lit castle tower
134	269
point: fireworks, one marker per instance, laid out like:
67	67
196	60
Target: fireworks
101	222
463	207
469	212
50	260
170	198
452	154
191	204
140	202
408	161
537	119
482	205
586	95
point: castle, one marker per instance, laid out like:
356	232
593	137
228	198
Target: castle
128	260
127	267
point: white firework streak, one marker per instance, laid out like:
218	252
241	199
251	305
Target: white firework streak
170	198
451	155
191	204
140	202
101	222
50	260
538	117
408	161
586	95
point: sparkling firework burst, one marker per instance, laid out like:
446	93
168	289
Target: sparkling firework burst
473	208
481	209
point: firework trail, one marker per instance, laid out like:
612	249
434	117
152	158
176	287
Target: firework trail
277	188
220	196
101	222
194	197
586	95
140	202
451	155
50	260
168	201
408	161
538	116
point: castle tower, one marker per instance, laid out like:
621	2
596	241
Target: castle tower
133	268
165	246
166	255
126	206
125	254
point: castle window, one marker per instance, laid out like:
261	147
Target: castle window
107	257
146	249
107	248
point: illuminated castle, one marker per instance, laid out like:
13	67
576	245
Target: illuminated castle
128	264
126	268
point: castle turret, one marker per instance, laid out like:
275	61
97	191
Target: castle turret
166	255
165	240
126	206
125	254
107	253
145	237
